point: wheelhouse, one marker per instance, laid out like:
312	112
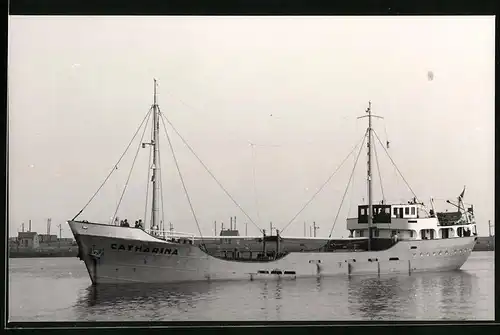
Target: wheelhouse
381	213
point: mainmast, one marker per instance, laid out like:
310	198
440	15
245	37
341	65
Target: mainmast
369	176
155	167
369	171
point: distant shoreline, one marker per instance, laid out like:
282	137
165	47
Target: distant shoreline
43	253
485	243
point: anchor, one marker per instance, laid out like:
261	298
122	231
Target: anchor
96	253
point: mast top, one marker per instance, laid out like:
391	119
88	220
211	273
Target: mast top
155	85
370	115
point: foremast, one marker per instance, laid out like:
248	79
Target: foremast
156	186
155	167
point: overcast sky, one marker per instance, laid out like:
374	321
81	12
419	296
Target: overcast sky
79	87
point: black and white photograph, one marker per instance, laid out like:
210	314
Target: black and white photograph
250	168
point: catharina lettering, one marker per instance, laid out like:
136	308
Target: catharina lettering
140	248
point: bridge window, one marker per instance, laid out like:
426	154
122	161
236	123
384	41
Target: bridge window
395	212
407	210
361	233
289	272
394	259
413	211
276	272
263	271
363	211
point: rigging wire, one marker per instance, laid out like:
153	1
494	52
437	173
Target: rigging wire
148	180
131	169
353	188
115	167
209	172
348	183
322	186
379	173
351	194
387	145
392	161
161	189
180	176
255	183
386	137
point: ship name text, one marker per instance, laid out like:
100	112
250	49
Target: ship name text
134	248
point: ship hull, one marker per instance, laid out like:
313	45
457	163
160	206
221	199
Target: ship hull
127	255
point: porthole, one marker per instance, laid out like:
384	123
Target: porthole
434	254
414	254
440	253
446	252
428	254
421	255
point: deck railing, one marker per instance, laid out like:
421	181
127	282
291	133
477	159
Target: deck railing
168	234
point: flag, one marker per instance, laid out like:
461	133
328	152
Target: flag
461	196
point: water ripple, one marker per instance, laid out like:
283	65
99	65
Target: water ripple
58	289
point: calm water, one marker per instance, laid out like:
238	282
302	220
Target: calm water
58	289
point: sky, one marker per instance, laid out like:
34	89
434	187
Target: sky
79	87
